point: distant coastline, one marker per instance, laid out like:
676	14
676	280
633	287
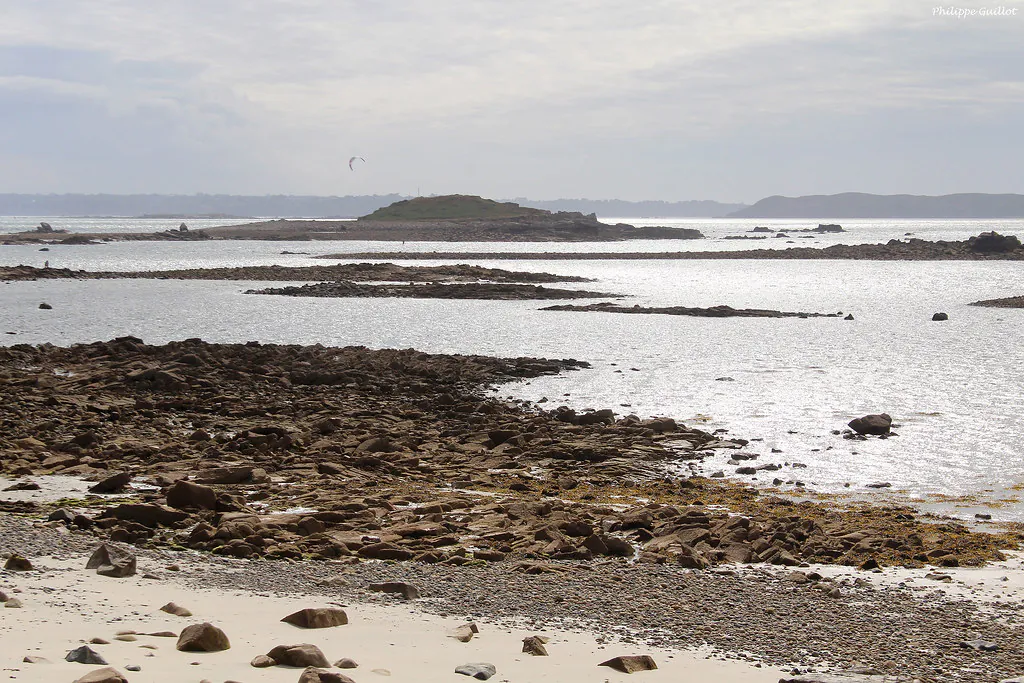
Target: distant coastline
860	205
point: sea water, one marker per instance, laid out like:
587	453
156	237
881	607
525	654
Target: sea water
954	388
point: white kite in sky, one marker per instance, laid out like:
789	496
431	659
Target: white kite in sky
353	160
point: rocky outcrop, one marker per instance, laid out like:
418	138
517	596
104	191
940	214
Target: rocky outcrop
350	272
405	456
502	292
712	312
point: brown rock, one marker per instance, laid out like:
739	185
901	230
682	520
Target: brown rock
112	484
203	637
346	663
317	617
299	656
17	563
872	424
185	495
534	645
312	675
104	675
262	662
631	663
176	610
109	560
406	590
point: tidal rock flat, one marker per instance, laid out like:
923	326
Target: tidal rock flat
558	227
490	291
983	247
1007	302
353	272
289	452
712	312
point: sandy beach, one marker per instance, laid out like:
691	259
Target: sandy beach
65	606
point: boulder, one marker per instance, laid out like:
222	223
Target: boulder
939	317
17	563
112	484
185	495
872	424
631	663
225	475
84	655
313	675
406	590
262	662
346	663
203	637
317	617
534	645
109	560
105	675
299	656
481	670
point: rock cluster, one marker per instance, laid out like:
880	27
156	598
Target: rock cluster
308	452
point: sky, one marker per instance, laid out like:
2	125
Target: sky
731	100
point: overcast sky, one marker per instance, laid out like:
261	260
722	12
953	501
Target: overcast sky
731	100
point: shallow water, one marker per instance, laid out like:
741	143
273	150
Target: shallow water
954	387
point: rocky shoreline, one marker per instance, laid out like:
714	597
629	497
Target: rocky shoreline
312	452
353	272
1007	302
287	466
488	291
712	312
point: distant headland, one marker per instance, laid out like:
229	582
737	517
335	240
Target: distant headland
860	205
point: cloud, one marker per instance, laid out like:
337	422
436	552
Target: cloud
450	89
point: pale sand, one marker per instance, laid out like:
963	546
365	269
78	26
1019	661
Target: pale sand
66	605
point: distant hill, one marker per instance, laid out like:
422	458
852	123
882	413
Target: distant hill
860	205
448	207
646	209
304	206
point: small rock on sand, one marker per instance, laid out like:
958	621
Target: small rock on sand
110	560
18	563
299	656
85	655
312	675
105	675
631	663
480	670
203	637
176	610
317	617
534	645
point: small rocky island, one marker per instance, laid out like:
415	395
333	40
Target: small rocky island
712	312
454	218
432	290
